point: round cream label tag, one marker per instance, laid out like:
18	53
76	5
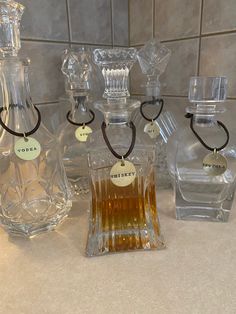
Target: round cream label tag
152	129
123	173
27	148
215	164
82	133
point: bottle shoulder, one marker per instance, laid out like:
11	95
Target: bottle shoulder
213	137
166	123
119	137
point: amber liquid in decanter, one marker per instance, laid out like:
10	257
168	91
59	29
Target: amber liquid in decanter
124	213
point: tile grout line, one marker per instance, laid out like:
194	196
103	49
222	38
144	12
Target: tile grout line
129	39
192	37
69	21
129	23
46	103
219	33
153	17
177	96
200	39
112	23
48	41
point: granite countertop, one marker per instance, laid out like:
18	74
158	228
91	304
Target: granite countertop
50	274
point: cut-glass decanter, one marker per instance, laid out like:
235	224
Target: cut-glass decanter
34	189
123	213
80	121
201	158
152	116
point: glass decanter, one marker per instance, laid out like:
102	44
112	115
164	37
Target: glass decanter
201	161
34	189
123	213
80	122
152	116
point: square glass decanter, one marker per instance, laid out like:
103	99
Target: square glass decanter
201	161
122	218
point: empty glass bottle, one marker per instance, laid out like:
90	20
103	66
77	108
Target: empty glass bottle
123	214
34	189
80	122
201	159
152	116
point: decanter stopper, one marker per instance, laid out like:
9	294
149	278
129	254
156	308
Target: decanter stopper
153	59
207	89
77	68
10	16
115	65
206	94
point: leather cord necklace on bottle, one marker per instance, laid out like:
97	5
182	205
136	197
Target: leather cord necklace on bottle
26	148
123	173
152	129
83	131
214	163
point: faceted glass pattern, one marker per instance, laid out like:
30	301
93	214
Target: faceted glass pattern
10	16
76	67
115	65
153	58
35	196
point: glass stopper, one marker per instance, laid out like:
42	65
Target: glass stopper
207	89
10	17
153	59
76	67
115	65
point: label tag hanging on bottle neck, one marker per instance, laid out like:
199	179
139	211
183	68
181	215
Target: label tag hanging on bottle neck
82	133
27	148
123	173
152	129
215	164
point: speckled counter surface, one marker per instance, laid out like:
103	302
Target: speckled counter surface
49	274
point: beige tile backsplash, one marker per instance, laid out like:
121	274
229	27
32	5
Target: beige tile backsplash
141	21
218	16
218	58
200	33
182	65
50	26
202	37
177	18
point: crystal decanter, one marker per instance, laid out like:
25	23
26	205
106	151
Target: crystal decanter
80	121
34	189
123	213
202	157
152	116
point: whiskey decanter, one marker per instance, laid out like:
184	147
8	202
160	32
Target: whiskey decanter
202	157
35	196
123	213
80	120
152	116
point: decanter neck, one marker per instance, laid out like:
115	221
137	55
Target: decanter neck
117	110
15	84
79	107
203	120
205	113
20	115
153	86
